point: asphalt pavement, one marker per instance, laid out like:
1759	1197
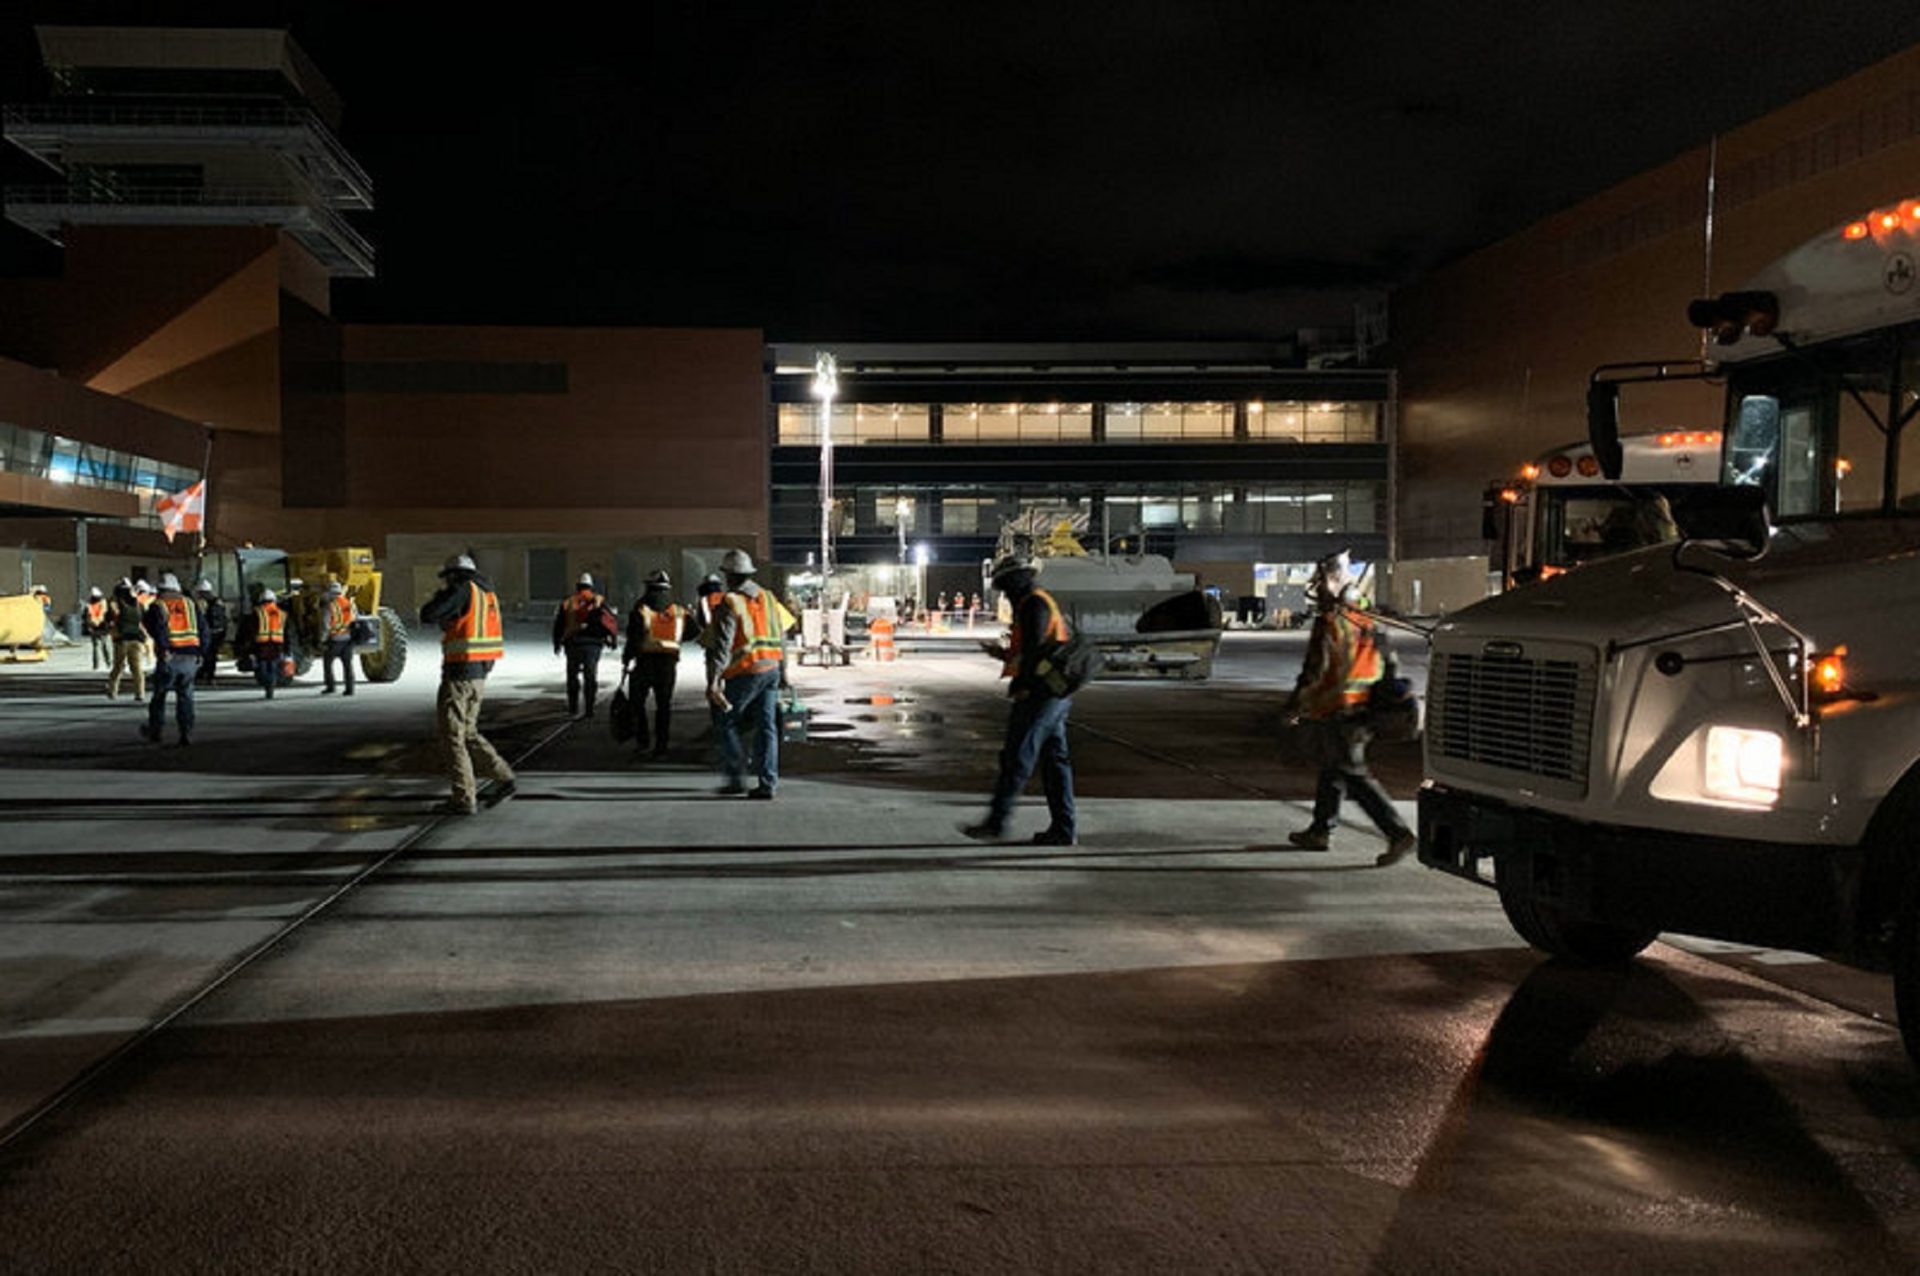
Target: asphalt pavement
620	1022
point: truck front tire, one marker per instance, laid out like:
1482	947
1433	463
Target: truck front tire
1552	931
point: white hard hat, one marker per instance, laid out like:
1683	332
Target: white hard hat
268	596
170	581
335	589
1012	563
658	576
94	592
737	562
142	587
459	563
204	587
1334	574
586	578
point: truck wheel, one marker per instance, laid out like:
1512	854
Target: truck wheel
1552	931
387	661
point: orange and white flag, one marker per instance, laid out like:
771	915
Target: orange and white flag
183	511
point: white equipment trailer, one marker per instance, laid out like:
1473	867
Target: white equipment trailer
1721	736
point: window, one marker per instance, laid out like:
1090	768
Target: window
856	423
1291	422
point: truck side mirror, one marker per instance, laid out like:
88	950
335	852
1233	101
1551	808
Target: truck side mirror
1603	427
1736	514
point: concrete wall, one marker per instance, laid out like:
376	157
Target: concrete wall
1494	351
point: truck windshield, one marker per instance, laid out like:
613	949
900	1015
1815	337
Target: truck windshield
1809	424
1580	524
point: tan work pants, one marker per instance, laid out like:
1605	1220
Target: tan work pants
457	714
128	655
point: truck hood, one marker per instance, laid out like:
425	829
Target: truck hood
1644	596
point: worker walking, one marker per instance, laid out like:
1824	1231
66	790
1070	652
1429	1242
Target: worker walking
746	667
93	622
174	625
215	613
264	634
337	617
126	616
471	642
655	630
1344	660
584	628
1037	721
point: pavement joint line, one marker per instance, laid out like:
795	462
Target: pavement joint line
83	1081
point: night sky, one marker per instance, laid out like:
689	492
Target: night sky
907	171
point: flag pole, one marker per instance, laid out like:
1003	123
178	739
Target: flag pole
206	507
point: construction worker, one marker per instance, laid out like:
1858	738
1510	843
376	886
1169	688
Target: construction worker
1344	660
1037	720
264	634
337	617
655	630
174	624
584	628
468	614
130	648
746	667
218	622
93	623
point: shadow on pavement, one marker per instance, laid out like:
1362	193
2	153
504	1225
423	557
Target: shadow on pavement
1386	1112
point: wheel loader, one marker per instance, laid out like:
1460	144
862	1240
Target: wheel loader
379	634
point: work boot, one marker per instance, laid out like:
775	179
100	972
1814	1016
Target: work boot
347	692
1054	837
185	740
454	807
984	831
148	734
761	794
1310	838
732	788
500	791
326	691
1401	845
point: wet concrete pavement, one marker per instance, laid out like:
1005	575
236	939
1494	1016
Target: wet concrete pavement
621	1023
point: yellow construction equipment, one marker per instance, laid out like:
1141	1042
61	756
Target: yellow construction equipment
381	635
23	622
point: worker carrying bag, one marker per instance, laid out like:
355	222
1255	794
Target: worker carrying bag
1392	712
620	716
1070	666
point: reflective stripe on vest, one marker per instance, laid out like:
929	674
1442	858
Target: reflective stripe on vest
96	613
660	630
183	626
1056	633
1362	650
269	624
475	636
340	617
757	646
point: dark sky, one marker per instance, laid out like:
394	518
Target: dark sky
919	171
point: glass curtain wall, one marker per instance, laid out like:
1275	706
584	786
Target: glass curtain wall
58	459
1003	423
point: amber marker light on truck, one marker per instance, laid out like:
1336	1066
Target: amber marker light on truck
1829	673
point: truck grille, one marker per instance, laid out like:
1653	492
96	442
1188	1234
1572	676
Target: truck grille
1512	712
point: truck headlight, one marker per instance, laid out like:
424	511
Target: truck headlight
1743	765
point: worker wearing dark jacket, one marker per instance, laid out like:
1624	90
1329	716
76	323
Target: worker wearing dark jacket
174	625
471	642
584	628
655	629
1343	661
1037	721
217	619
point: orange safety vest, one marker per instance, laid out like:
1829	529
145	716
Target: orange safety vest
757	645
475	637
269	625
660	630
183	625
97	613
340	617
1353	664
1056	633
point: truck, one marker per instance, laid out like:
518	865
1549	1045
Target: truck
1559	511
1720	736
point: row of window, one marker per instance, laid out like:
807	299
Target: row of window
911	423
38	454
1266	508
